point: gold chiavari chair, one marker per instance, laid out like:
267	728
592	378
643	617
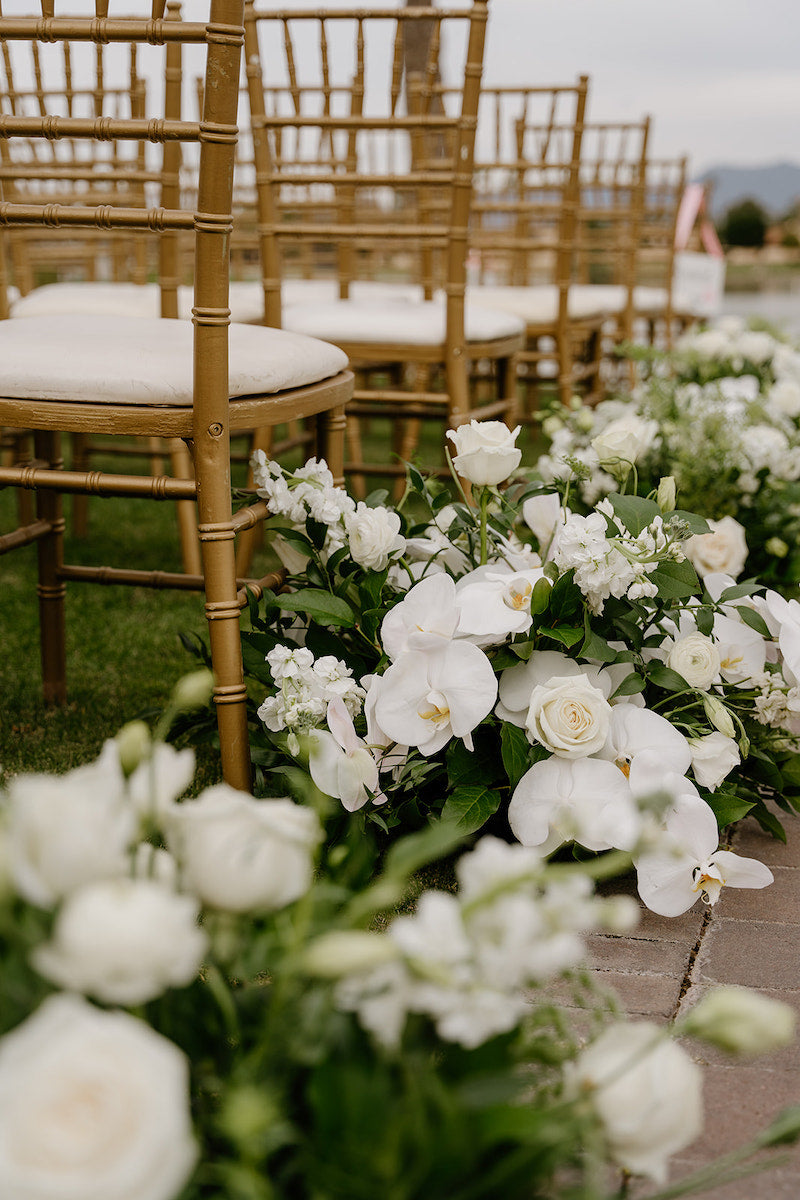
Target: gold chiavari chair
665	182
156	377
393	186
524	228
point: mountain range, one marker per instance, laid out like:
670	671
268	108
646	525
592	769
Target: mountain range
776	186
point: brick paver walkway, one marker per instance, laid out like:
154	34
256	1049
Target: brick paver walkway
752	938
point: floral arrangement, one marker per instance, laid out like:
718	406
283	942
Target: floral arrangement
192	1010
509	664
721	414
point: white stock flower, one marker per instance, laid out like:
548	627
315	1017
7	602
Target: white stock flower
784	397
741	1021
696	659
430	606
723	549
243	855
586	800
374	536
756	345
340	763
623	442
435	691
160	779
67	830
123	941
713	758
485	453
689	865
93	1106
646	1091
569	716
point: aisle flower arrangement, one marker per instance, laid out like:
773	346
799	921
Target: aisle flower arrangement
192	1009
556	677
721	414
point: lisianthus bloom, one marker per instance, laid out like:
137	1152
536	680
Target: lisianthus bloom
673	878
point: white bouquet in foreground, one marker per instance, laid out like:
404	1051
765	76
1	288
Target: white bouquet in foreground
183	1009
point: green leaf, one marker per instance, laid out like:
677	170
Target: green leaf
317	532
728	808
768	822
567	635
790	770
294	537
596	647
635	512
738	590
666	678
566	599
471	807
320	606
675	580
515	749
631	685
750	617
697	524
705	620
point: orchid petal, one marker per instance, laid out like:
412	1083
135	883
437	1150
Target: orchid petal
737	871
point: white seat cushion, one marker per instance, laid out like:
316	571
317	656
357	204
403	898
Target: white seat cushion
113	360
400	322
539	305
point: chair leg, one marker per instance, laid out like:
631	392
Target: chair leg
181	465
80	501
331	428
51	588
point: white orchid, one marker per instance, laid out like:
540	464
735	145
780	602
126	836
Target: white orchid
586	800
495	602
689	865
633	731
437	690
340	763
428	607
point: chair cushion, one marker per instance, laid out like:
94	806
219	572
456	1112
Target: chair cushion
539	305
395	322
114	360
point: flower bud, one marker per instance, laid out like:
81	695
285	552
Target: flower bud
741	1021
551	426
719	716
134	745
247	1113
347	952
620	914
193	691
777	547
666	495
540	596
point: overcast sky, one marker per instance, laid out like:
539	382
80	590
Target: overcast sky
721	78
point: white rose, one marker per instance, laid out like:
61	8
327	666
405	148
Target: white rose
374	535
624	441
696	658
646	1091
713	758
124	941
741	1021
724	549
67	830
485	451
569	716
93	1106
241	854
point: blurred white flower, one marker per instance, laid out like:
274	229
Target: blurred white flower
243	855
622	443
724	549
741	1021
93	1106
67	830
123	941
586	800
160	779
645	1090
